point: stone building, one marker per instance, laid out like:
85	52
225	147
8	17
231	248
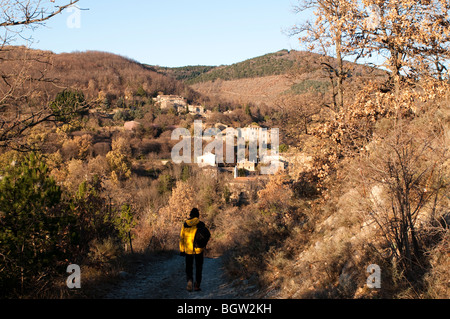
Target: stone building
247	165
165	102
196	109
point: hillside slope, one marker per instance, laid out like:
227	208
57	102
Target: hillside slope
263	80
94	73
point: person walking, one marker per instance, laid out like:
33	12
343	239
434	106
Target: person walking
190	251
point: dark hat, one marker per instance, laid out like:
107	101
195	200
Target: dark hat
194	213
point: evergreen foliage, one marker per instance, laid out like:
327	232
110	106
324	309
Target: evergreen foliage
68	105
266	65
32	226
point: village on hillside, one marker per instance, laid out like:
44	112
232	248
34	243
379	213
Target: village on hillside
242	167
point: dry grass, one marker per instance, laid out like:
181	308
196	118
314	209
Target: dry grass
437	280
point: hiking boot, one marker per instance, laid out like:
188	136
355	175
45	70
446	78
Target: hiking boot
189	286
197	287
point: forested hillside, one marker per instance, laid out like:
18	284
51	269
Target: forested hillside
268	80
92	72
185	73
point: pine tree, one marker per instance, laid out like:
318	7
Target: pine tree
68	105
30	222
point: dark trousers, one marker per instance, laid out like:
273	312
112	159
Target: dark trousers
198	267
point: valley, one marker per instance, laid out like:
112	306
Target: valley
96	134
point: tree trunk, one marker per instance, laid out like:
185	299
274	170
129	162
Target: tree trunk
131	245
395	76
339	73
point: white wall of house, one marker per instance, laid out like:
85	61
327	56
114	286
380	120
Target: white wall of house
207	159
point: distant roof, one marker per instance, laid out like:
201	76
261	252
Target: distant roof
131	125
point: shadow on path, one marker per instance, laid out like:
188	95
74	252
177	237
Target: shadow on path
165	279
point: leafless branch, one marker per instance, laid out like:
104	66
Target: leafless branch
31	14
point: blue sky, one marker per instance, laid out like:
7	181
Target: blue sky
175	32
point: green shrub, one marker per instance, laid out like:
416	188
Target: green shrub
93	215
124	222
165	183
33	228
68	105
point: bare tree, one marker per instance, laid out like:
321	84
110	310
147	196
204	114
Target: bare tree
15	15
327	36
299	110
22	72
404	180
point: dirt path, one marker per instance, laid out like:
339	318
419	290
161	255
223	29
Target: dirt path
165	279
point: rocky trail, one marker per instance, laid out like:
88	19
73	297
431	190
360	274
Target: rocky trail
165	279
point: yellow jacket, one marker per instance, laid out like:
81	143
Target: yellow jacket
187	237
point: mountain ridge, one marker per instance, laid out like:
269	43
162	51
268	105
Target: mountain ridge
273	63
265	79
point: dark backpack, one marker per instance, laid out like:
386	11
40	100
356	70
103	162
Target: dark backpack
202	236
